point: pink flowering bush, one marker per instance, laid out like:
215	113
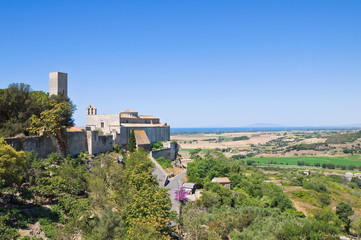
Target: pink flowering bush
181	195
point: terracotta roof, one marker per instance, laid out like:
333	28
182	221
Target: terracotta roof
76	129
129	111
152	117
141	137
221	180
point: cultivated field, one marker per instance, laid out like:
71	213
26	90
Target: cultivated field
279	147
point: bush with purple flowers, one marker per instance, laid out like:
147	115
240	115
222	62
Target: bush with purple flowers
181	195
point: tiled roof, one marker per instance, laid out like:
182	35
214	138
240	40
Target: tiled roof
141	137
221	180
76	129
129	111
152	117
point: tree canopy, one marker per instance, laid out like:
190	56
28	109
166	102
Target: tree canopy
12	165
18	103
132	142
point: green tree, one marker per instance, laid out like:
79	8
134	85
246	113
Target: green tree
53	122
7	232
107	226
344	212
104	179
149	206
12	165
356	224
132	143
17	104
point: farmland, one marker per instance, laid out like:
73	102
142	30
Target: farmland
341	160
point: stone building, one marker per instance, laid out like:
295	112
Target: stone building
58	83
147	129
224	181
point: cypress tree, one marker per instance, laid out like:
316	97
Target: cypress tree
132	143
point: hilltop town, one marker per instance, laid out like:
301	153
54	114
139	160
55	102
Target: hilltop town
129	170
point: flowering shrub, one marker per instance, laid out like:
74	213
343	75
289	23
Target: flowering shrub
181	195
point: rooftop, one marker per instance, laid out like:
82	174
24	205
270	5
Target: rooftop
141	137
129	111
221	180
76	129
144	116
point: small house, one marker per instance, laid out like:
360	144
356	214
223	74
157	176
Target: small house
189	187
224	181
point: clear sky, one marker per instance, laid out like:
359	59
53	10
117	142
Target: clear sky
192	63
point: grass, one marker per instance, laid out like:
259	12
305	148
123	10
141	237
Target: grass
165	163
190	149
343	160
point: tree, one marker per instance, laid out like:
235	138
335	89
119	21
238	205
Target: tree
7	232
132	142
148	210
53	122
12	165
356	224
107	226
344	212
17	104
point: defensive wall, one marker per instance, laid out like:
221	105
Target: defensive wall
78	142
168	153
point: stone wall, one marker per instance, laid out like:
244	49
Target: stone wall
90	141
77	142
154	134
161	174
167	153
99	144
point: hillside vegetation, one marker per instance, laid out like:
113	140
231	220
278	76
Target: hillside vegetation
341	138
18	103
89	197
256	208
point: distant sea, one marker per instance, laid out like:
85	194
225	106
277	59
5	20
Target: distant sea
253	129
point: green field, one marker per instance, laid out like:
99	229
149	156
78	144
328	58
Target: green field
190	149
343	160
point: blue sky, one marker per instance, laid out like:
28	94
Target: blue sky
193	63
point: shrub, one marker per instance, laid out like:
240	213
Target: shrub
165	163
157	145
316	185
116	148
324	199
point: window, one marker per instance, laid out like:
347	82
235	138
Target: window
102	124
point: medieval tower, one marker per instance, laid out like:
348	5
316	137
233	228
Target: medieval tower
58	83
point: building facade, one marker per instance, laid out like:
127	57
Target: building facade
147	129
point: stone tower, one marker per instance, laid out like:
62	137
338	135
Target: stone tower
58	83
